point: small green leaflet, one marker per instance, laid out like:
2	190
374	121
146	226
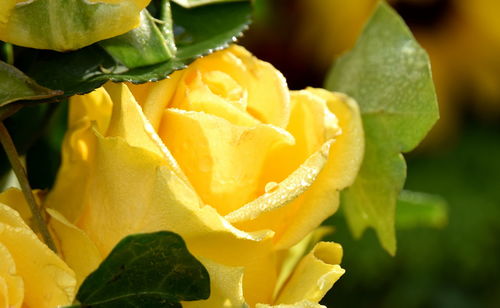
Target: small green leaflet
146	270
143	46
389	75
14	86
417	209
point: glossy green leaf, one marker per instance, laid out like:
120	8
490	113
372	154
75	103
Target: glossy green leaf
416	209
198	31
205	29
146	270
193	3
144	45
16	86
389	75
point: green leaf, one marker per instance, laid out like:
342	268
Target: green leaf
389	75
146	270
198	31
144	45
16	86
416	209
205	29
193	3
167	25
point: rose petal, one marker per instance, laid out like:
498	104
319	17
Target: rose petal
106	111
292	256
94	106
77	158
74	246
215	93
314	275
77	150
347	151
316	188
11	284
226	287
155	198
344	160
48	281
268	96
128	122
223	161
312	124
281	195
154	97
15	199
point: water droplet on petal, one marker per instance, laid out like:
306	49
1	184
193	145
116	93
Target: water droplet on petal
325	148
270	187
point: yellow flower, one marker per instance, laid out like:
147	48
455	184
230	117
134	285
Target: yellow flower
31	275
66	25
334	23
223	154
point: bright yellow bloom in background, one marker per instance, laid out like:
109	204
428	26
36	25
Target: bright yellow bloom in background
223	154
31	275
329	28
66	24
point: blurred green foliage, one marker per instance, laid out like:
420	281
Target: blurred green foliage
415	209
456	266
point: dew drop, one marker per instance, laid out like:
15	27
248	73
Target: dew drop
270	187
325	149
304	183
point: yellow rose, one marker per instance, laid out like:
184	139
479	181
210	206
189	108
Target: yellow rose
31	275
66	24
223	154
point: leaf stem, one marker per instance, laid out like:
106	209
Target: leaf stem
20	173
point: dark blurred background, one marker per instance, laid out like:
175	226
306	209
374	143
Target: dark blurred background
452	265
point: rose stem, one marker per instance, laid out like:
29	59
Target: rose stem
20	173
